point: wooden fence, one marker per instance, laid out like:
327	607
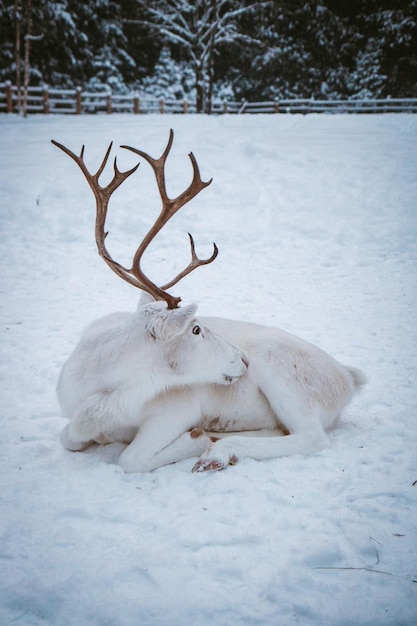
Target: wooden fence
77	101
387	105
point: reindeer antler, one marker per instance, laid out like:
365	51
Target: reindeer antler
135	275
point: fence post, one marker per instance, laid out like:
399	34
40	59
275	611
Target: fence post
224	107
162	106
185	106
276	107
78	101
9	97
242	107
45	95
136	104
108	103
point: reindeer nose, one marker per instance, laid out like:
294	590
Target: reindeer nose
245	361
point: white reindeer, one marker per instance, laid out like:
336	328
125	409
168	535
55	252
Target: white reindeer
173	386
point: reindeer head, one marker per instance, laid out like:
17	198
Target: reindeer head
191	352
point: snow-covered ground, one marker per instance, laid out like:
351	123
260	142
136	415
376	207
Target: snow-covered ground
315	218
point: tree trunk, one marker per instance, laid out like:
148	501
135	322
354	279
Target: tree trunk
27	51
210	78
18	17
199	85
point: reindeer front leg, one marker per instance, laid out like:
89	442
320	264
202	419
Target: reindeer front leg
229	450
164	434
190	444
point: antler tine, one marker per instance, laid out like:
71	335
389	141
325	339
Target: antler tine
158	165
196	178
193	264
100	170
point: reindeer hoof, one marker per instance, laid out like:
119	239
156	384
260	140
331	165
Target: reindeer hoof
196	433
206	465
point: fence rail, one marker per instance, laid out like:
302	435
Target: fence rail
75	101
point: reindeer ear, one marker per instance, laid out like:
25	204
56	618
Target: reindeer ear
166	324
145	298
179	319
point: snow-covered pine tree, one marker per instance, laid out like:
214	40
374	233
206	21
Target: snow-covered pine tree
199	28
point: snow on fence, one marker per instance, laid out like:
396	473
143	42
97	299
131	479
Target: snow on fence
75	101
387	105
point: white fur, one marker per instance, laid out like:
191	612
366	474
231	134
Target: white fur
147	379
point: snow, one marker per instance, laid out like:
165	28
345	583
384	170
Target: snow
315	218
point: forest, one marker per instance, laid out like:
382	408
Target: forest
235	49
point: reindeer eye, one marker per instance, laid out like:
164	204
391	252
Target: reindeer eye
196	330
